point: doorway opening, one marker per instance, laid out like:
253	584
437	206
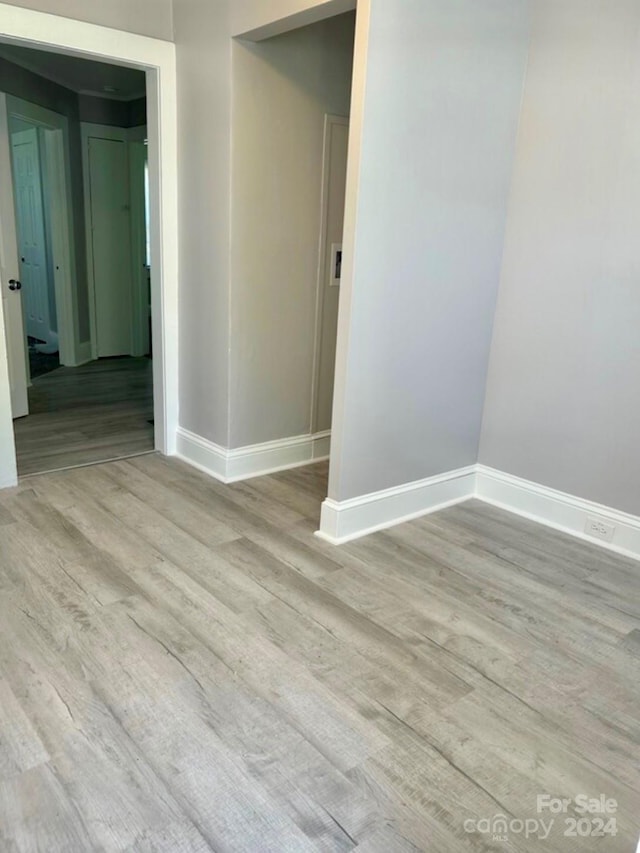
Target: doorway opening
292	101
77	145
158	60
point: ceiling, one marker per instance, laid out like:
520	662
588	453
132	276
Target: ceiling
81	75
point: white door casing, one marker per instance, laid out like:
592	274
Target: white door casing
62	251
38	305
140	344
158	59
13	354
334	172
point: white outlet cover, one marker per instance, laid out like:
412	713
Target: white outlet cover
599	528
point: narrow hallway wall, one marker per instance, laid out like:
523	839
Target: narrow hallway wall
282	89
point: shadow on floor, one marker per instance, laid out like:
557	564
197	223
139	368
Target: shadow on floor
41	362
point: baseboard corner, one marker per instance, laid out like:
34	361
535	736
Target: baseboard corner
202	454
559	510
244	463
344	521
82	354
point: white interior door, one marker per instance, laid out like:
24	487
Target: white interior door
335	176
32	244
14	331
111	245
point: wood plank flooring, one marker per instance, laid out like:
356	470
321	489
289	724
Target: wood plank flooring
185	667
81	415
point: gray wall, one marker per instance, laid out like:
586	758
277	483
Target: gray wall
147	17
215	369
112	112
282	89
203	49
563	407
24	84
442	99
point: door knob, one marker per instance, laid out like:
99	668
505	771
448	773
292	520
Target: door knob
14	285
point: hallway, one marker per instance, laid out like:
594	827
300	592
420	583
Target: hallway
81	415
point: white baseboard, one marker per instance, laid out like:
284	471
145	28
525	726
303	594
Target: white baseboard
346	520
82	354
8	477
202	454
343	521
229	466
558	510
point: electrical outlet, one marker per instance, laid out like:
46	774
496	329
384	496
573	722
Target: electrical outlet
599	529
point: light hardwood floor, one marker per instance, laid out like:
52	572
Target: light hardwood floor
185	667
82	415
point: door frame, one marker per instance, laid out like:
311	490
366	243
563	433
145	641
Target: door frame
330	121
140	343
58	189
158	59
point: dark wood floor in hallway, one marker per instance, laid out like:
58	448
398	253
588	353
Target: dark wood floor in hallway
185	667
81	415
